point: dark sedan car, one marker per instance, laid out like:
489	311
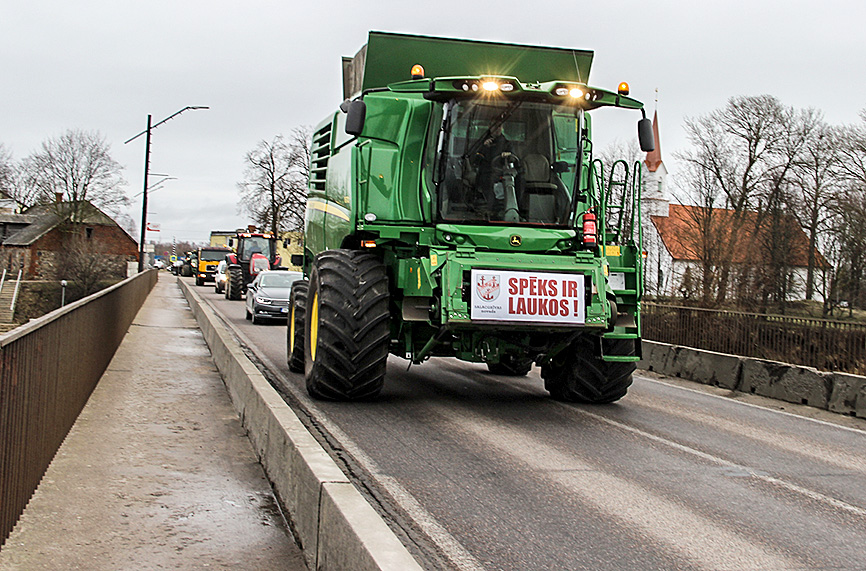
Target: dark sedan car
268	295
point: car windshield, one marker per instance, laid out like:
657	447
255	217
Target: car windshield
279	279
507	162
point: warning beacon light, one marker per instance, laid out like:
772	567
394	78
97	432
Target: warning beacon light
623	88
417	71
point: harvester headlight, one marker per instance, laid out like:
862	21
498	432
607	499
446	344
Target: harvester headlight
506	87
561	91
417	71
490	86
575	92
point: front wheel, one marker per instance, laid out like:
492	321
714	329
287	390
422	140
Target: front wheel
346	330
581	375
295	331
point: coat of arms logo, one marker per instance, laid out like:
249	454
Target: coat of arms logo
487	286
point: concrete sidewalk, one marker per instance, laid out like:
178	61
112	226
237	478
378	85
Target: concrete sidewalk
157	472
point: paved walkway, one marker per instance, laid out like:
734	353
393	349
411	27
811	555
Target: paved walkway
157	472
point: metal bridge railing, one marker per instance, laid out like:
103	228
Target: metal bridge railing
824	344
48	368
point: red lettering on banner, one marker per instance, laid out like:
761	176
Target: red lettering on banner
521	306
563	307
512	286
577	307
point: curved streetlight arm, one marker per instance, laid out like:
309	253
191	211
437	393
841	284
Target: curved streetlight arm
172	116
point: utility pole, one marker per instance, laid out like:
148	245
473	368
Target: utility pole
146	168
144	199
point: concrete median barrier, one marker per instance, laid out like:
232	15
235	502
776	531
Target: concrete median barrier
837	392
335	525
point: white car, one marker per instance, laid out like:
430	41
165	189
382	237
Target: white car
220	277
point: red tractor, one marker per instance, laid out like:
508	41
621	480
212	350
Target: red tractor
253	253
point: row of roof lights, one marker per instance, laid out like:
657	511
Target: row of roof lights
492	85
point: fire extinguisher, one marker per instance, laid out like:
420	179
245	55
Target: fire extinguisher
590	230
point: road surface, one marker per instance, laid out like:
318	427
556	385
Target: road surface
478	471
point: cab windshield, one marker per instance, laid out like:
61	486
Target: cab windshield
509	162
255	245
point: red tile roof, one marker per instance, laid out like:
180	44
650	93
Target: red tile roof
679	233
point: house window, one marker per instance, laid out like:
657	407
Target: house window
89	233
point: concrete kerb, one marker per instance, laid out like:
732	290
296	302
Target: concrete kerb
837	392
336	527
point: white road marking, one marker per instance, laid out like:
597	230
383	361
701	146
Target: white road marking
722	462
680	530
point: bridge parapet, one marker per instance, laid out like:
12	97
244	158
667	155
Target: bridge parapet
48	368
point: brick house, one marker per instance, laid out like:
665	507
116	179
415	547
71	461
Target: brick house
44	236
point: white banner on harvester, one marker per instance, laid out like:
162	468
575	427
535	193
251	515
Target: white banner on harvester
540	297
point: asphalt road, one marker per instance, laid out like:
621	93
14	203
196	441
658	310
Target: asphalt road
478	471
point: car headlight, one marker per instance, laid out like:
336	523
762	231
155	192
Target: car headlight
264	300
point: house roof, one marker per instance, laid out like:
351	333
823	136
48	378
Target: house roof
679	233
10	218
46	217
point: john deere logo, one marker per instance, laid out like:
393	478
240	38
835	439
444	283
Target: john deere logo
515	240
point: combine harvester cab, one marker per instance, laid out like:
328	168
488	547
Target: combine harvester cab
455	209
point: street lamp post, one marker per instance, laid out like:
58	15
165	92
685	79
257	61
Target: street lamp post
146	168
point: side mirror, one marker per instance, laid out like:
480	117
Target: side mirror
231	242
298	260
355	117
645	135
560	167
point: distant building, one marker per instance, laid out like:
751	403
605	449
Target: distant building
672	248
8	205
37	240
221	237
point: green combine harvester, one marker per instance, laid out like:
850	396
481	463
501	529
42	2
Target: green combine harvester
455	210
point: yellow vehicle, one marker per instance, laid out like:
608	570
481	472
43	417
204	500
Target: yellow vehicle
207	260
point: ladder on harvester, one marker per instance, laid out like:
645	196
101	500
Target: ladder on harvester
621	241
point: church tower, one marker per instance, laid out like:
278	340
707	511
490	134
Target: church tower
654	203
654	177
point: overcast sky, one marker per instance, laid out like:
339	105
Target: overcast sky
265	68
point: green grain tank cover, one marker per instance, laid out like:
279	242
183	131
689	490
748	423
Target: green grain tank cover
388	58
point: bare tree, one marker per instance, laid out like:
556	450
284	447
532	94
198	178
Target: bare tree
850	212
741	160
7	172
87	263
274	189
77	165
817	181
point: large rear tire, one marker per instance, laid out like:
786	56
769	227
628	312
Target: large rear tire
346	330
235	283
295	331
582	376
